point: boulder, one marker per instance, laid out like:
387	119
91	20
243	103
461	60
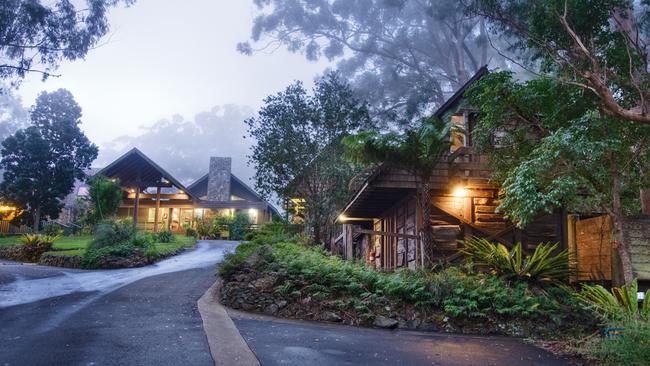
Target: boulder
271	309
330	316
384	322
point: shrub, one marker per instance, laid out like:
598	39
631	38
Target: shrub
165	236
630	347
540	267
111	232
190	231
239	226
619	304
52	229
93	256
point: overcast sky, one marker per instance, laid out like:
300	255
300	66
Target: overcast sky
171	57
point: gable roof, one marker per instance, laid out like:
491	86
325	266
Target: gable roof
458	95
135	167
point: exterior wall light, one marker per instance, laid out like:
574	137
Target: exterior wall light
459	192
342	217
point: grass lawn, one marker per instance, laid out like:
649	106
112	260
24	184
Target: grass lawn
64	243
77	245
180	241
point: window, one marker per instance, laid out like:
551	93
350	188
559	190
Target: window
458	133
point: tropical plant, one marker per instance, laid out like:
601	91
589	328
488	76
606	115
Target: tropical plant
620	304
417	150
541	267
34	245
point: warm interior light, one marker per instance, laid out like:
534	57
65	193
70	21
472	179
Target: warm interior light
180	191
459	192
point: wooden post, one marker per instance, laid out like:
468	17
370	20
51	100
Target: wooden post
169	219
135	208
155	220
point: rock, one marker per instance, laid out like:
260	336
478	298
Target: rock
428	327
330	316
306	300
384	322
265	283
411	324
281	304
271	309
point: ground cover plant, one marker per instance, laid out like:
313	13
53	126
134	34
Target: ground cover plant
625	339
276	273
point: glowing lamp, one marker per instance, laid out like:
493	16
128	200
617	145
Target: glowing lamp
342	217
459	192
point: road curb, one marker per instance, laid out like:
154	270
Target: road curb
227	346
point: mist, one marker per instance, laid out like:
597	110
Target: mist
183	146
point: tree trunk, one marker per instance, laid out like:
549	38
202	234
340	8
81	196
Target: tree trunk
621	243
37	219
424	201
645	201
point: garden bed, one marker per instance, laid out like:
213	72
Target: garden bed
279	276
69	252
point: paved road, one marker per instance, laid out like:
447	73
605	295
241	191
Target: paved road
145	316
288	342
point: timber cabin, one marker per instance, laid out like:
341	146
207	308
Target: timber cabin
381	222
158	201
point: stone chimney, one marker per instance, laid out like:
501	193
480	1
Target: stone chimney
219	179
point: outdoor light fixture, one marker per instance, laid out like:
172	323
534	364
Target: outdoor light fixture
459	192
342	217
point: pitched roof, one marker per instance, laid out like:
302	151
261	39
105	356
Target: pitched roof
453	100
134	167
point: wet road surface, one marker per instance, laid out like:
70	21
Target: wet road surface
141	316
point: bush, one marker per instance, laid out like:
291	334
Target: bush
52	229
619	304
164	236
541	267
630	347
93	257
190	231
112	232
239	226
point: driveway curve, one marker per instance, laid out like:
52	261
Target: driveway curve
139	316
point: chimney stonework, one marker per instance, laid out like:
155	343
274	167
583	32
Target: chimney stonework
219	179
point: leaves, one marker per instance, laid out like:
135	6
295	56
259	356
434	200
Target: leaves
545	265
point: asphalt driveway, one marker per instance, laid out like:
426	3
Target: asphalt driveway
122	317
290	342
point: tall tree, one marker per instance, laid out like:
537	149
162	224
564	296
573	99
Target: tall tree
418	150
36	35
105	197
404	56
42	161
296	152
600	46
552	146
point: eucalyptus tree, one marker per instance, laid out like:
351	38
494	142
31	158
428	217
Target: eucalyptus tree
36	35
418	150
403	56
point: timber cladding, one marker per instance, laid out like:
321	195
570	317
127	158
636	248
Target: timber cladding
593	248
639	234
